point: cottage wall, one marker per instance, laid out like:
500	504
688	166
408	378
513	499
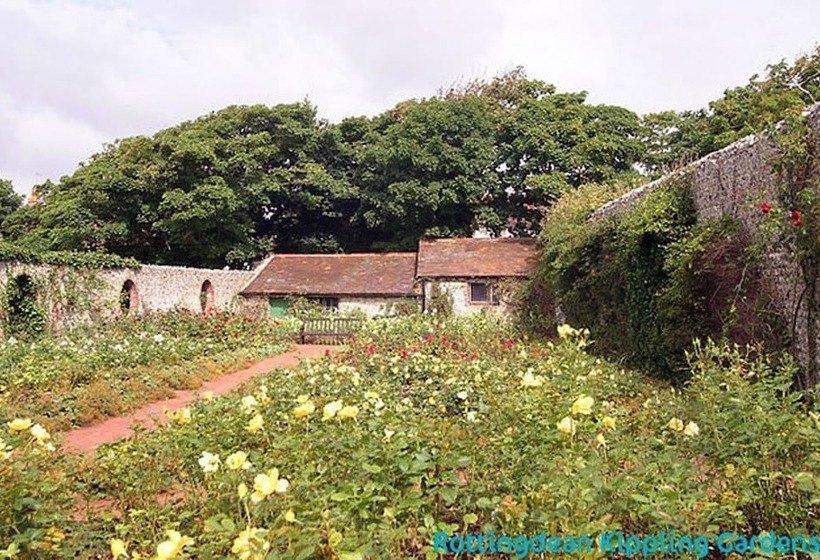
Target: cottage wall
371	306
459	294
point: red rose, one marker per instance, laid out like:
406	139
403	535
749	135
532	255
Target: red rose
796	217
766	207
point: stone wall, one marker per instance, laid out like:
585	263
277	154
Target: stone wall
734	182
69	294
459	293
161	288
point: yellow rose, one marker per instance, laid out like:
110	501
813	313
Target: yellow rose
238	460
609	422
530	380
256	423
209	462
242	490
601	440
565	331
582	405
290	517
567	426
675	424
182	416
19	425
248	404
172	547
268	483
691	429
349	412
305	409
118	548
330	409
40	434
249	545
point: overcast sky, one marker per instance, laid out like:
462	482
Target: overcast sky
77	74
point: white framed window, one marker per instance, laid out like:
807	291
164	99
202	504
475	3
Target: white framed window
483	293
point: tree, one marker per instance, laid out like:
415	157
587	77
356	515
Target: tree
10	201
676	138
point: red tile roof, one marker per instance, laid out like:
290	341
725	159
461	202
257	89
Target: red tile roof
365	274
476	258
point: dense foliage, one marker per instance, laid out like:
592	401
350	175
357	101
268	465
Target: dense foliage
648	282
673	138
231	185
421	427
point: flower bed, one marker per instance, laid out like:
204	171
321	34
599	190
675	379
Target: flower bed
422	428
114	367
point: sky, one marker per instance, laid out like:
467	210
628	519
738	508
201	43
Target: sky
76	75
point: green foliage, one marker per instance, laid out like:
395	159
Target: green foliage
230	186
455	423
649	282
676	138
90	372
10	201
22	312
93	260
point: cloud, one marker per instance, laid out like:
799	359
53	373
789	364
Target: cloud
77	74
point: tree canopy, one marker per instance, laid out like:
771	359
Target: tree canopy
675	138
230	186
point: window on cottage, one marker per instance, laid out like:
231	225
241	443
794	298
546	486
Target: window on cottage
482	292
328	303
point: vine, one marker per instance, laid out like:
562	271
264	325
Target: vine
794	219
23	315
94	260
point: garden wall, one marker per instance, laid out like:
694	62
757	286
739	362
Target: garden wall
69	294
734	182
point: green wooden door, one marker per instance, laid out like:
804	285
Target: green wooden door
278	307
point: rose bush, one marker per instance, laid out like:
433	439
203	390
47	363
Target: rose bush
421	426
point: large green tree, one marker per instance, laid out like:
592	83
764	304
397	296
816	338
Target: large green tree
221	189
674	138
234	184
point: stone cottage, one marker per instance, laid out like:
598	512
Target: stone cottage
368	282
474	274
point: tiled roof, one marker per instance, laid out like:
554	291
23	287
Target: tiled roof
475	258
366	274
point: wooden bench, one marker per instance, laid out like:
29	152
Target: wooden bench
328	328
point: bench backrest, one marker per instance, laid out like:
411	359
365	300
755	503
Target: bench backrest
330	325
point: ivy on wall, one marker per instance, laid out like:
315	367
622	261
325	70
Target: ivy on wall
23	316
648	283
95	260
793	222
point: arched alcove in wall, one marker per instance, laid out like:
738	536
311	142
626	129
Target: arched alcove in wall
24	316
129	297
206	296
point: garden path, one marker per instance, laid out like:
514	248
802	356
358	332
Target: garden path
88	438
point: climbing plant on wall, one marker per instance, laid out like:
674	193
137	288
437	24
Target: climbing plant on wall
794	222
23	316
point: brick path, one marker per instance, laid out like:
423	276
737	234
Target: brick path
88	438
